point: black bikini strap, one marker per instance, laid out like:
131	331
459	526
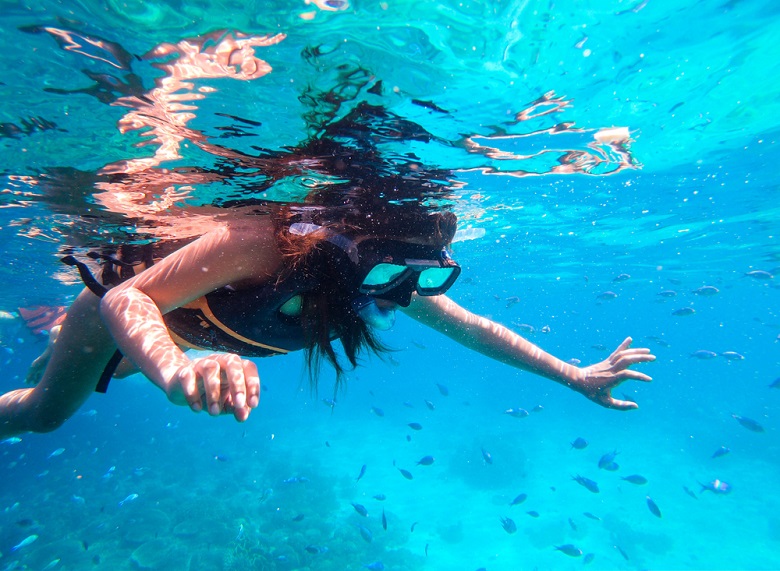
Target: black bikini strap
99	290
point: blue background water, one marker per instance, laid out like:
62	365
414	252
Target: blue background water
696	83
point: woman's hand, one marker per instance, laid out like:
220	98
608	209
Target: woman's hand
223	383
598	380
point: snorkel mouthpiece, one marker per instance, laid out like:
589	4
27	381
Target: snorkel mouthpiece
373	315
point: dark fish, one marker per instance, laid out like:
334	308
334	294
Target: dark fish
25	522
299	517
533	513
487	457
315	549
443	390
635	479
706	290
377	411
658	340
406	474
775	384
606	461
748	423
607	295
362	473
366	534
569	549
384	520
599	347
430	405
426	550
510	301
621	278
415	425
683	311
508	524
408	437
329	403
591	516
689	492
704	354
376	565
623	553
590	485
413	526
429	105
572	525
426	461
360	509
537	408
588	558
380	497
247	121
667	293
612	466
579	443
516	412
518	500
651	505
407	404
722	451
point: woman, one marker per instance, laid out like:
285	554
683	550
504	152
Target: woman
270	284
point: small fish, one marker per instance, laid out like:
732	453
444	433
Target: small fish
221	458
508	524
533	513
667	293
569	549
406	473
689	492
487	457
365	533
25	542
591	516
516	412
748	423
732	356
407	404
658	341
426	461
682	312
57	452
360	509
518	500
330	403
443	390
78	500
537	408
572	525
759	275
588	484
240	533
296	480
574	361
362	473
315	549
623	553
377	411
651	505
411	529
25	522
716	487
12	440
380	497
621	278
776	383
588	558
606	295
706	290
606	461
722	451
510	301
426	550
51	565
635	479
525	327
384	520
429	105
579	443
704	354
298	518
129	499
375	566
430	405
415	425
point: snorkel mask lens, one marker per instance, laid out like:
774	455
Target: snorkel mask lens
430	277
373	315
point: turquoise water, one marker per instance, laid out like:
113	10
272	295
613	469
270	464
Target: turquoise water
647	148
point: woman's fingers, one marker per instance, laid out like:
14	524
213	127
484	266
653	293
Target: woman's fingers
210	374
252	379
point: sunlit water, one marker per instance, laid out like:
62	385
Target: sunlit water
588	140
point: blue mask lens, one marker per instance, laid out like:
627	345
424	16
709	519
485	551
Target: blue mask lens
373	315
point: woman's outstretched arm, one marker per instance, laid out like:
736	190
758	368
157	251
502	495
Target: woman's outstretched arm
500	343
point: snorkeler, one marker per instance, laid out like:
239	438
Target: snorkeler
268	285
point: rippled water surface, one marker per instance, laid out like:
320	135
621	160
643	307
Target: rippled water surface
607	160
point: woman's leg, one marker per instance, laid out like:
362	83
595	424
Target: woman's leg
81	352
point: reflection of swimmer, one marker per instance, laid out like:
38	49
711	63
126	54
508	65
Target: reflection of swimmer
267	285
